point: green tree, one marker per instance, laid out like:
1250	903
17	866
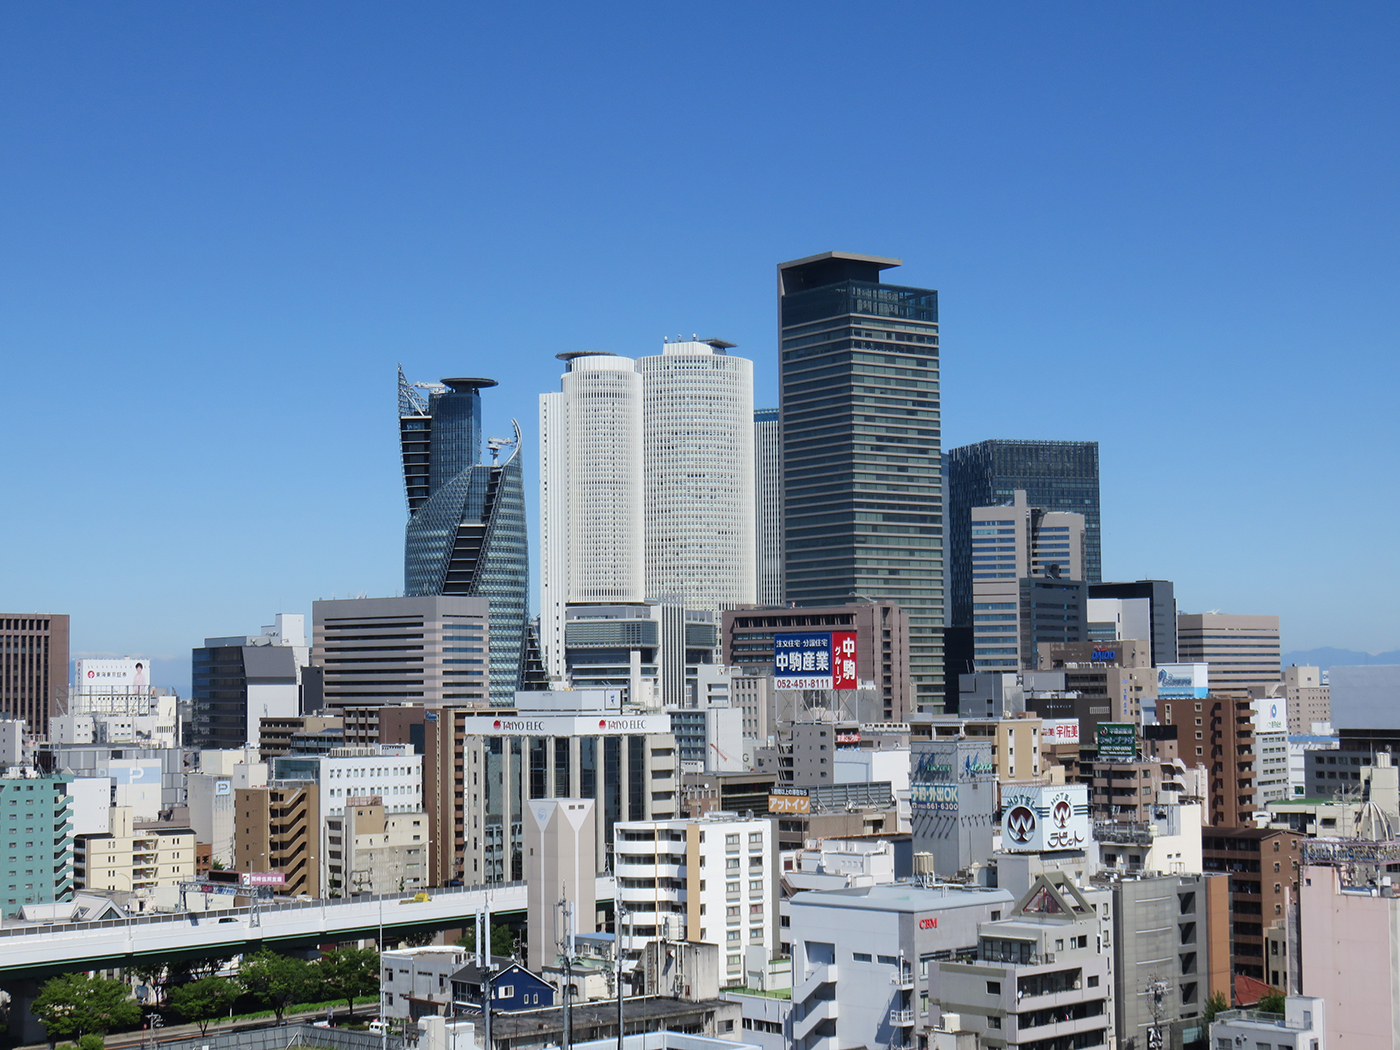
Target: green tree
502	940
91	1041
275	980
1215	1002
349	972
204	1000
1272	1002
74	1004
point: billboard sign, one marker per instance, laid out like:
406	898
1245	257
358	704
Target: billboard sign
261	878
815	660
107	676
933	798
1117	741
789	800
1043	817
1059	731
1271	715
1183	681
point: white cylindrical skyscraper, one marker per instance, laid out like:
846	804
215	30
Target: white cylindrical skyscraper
698	433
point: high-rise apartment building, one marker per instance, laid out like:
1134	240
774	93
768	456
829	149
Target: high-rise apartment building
698	494
1263	867
379	651
33	667
466	525
1027	589
278	828
1216	733
860	429
36	858
768	505
1242	651
1055	475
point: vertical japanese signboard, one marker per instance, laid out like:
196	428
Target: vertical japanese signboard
815	660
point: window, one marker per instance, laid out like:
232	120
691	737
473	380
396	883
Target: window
860	956
993	987
1094	981
993	1022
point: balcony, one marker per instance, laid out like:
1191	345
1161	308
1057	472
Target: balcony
902	1018
903	979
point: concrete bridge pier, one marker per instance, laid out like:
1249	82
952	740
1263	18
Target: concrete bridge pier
24	1026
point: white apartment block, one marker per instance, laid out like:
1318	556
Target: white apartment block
711	880
384	774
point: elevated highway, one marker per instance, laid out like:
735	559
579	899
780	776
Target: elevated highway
33	952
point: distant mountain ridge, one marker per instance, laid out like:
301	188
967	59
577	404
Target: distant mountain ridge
1327	657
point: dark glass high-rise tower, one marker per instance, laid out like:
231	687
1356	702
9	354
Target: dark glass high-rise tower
862	500
1055	475
466	520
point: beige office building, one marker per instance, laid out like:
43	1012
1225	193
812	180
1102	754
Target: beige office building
1309	700
1243	651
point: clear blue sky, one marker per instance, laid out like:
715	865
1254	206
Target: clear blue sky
1171	228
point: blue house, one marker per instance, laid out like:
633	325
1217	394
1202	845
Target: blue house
512	988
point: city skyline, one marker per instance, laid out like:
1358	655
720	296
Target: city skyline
213	272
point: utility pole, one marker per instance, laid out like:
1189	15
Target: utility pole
483	937
565	913
1155	991
619	910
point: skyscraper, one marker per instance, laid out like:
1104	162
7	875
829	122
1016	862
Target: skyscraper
466	525
697	448
1055	475
768	507
646	484
859	410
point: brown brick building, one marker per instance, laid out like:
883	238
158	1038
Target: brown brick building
1217	733
1262	866
33	667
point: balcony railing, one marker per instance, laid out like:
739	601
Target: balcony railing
901	1017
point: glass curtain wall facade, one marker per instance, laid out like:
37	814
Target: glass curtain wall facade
859	414
466	526
1055	475
768	506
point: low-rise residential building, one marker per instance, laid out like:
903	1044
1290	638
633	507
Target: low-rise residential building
862	959
418	981
1301	1026
135	856
512	986
1041	976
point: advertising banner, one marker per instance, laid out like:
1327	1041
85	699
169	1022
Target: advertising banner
1038	817
261	878
814	660
933	798
789	800
1059	731
1271	715
106	676
1183	681
1117	741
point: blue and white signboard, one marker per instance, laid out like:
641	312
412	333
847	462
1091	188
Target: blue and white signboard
814	660
1183	681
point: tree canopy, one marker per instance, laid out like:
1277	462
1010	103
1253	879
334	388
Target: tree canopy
74	1004
275	980
204	1000
349	972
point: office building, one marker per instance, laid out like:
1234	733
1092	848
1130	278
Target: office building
379	651
1160	596
1056	476
1270	751
647	484
1262	864
347	776
1118	675
1172	952
466	519
1242	651
698	482
33	667
862	959
366	848
277	828
883	645
953	799
1113	618
712	880
1366	695
1309	701
36	859
649	654
860	427
238	681
1027	589
768	506
1040	976
1216	734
